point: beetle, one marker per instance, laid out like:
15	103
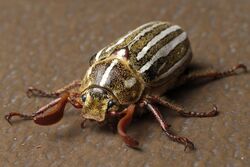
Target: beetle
131	73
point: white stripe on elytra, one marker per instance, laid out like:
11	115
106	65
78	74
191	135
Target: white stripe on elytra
107	72
164	51
164	64
143	32
127	35
156	39
176	65
98	54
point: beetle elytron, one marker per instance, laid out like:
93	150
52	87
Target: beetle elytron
132	72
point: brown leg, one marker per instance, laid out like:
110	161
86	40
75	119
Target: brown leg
34	92
12	114
48	114
9	116
183	140
74	99
123	123
197	75
181	110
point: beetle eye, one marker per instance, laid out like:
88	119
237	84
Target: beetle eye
84	97
111	103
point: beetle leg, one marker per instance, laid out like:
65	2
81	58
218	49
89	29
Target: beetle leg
74	99
183	140
40	93
181	110
12	114
196	75
48	114
121	127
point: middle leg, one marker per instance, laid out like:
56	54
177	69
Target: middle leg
181	110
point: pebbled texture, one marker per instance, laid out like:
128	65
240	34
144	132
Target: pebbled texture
48	44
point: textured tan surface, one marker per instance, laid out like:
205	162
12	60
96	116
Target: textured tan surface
47	44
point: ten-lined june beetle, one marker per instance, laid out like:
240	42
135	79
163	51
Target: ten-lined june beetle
134	71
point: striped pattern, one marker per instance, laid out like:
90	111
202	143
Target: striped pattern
107	72
143	32
154	49
123	40
156	39
175	66
164	51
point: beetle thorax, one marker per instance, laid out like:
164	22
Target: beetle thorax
115	75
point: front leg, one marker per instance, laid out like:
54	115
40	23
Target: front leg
48	114
34	92
123	123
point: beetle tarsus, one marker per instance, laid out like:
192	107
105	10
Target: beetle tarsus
183	140
131	142
242	66
212	113
203	75
232	71
9	116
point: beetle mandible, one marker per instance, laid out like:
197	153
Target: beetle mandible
132	72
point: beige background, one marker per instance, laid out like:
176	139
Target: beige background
47	44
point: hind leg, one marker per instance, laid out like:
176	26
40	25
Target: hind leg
181	110
201	75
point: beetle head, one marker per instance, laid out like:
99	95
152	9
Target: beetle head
97	103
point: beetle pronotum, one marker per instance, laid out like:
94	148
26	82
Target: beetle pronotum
132	72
